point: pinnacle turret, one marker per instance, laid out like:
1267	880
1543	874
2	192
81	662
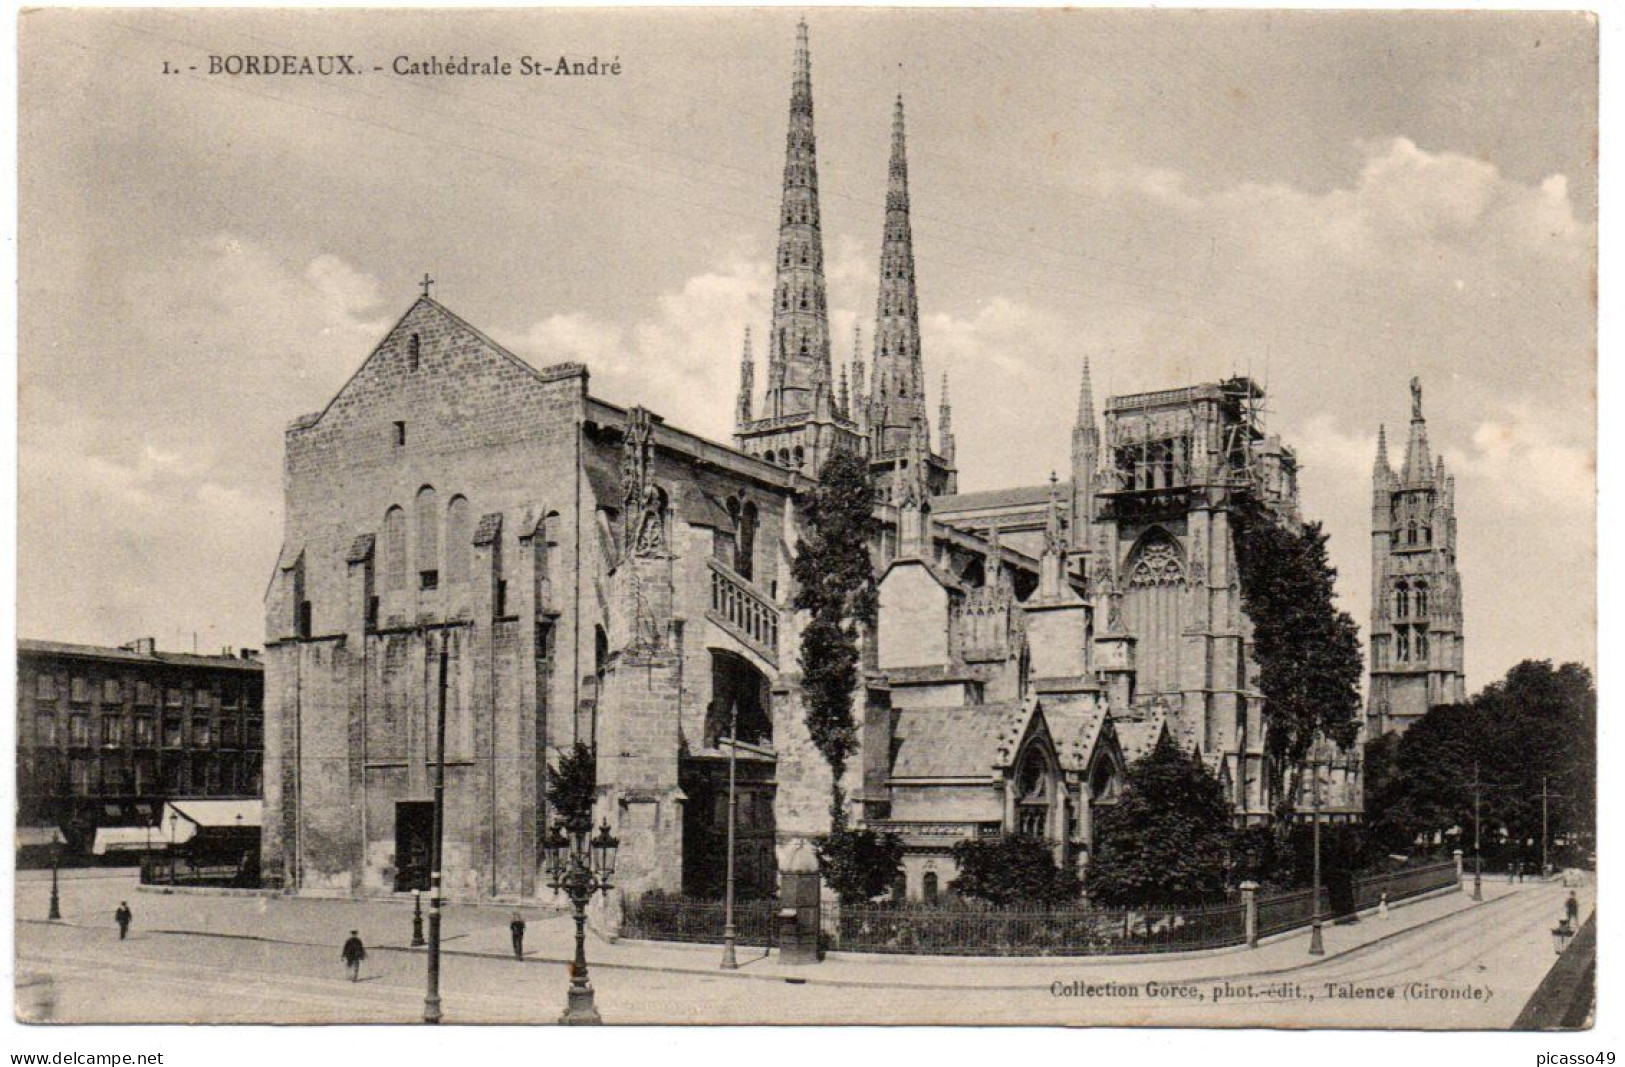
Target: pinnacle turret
1382	473
747	383
1085	462
945	424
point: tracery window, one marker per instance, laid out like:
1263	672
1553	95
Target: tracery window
1402	601
1158	564
1402	644
1421	599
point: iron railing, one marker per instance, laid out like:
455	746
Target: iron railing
970	931
1402	884
1286	911
662	918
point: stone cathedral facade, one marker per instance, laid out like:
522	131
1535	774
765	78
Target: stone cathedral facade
466	532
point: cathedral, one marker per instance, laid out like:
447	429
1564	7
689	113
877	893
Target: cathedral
471	536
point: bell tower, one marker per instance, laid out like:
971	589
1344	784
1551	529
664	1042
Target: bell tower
1417	646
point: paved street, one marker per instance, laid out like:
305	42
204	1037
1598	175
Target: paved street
257	959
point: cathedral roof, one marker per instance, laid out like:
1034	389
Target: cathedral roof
1076	727
1139	736
1034	496
960	741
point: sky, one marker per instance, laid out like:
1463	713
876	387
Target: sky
1330	202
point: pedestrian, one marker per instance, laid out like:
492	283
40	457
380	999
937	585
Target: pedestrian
123	916
1571	908
517	929
354	953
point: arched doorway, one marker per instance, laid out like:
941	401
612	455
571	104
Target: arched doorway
738	726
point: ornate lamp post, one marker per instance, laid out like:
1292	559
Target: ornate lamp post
56	902
580	868
1562	934
730	962
417	919
1478	855
1317	947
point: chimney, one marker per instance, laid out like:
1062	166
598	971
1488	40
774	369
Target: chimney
142	646
252	654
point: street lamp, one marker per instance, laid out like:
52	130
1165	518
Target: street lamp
1478	855
1317	947
56	903
1562	934
581	868
729	961
417	919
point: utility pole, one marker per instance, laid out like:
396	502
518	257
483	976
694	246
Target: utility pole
1317	947
1546	796
431	998
730	961
1478	858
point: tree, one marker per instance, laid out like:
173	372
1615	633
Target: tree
1167	839
1307	650
574	784
859	865
835	586
1013	869
1534	728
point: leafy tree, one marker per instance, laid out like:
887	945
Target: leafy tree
1535	727
835	586
859	865
1167	839
1013	869
1307	650
574	783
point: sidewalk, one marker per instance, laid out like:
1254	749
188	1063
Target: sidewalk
483	931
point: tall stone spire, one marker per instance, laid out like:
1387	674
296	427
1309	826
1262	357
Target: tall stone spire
945	424
899	378
798	350
1418	463
1381	470
1085	462
747	383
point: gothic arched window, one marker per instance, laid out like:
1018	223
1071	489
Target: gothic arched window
1402	644
1421	644
1157	564
1421	598
414	350
1402	601
801	457
928	886
1410	532
744	561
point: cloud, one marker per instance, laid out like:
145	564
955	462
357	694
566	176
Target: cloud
160	446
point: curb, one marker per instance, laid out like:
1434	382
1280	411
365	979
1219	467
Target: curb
811	979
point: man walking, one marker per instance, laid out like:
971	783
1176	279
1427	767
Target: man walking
1571	909
354	952
123	916
517	929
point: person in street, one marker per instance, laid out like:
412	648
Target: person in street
354	952
517	929
123	916
1571	909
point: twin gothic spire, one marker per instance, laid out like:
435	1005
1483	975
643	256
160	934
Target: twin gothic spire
800	379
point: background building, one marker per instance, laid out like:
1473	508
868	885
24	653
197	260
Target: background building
106	736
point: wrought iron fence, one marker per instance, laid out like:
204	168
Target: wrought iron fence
1402	884
656	917
971	931
1285	911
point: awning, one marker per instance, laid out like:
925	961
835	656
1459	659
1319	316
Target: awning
126	839
192	815
39	836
